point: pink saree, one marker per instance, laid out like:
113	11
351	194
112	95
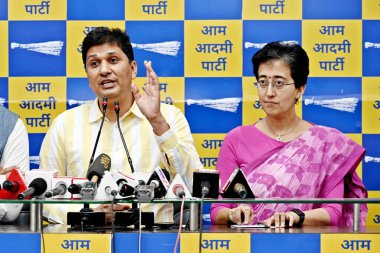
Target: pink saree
308	167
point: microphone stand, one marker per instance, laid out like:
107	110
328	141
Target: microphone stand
104	105
86	214
127	218
117	110
35	216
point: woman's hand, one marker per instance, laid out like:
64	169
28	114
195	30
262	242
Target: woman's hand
282	220
241	214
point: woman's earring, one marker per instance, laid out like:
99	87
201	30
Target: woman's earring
297	100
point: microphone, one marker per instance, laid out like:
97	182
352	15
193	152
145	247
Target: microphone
237	186
59	189
36	188
96	171
110	191
205	187
48	175
126	184
104	105
240	190
117	110
145	193
156	187
11	186
206	183
160	180
124	188
75	188
179	191
107	188
13	183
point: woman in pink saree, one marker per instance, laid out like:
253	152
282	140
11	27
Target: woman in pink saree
284	156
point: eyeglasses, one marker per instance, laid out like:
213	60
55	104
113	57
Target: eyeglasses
276	84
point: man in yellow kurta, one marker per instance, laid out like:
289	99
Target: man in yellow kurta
156	134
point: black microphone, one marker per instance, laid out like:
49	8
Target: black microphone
157	181
95	174
205	187
237	186
124	188
75	188
206	184
11	186
240	190
98	167
117	110
104	105
36	188
59	189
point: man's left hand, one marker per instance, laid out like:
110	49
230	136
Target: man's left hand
149	101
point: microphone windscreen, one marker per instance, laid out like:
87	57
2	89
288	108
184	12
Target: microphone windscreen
237	186
240	190
160	175
11	186
74	188
99	166
105	103
126	190
206	179
39	185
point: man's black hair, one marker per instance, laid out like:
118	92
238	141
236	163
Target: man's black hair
103	35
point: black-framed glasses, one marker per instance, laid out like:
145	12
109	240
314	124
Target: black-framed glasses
276	84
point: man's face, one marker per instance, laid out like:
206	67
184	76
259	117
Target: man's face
109	72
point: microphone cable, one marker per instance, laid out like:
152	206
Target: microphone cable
180	224
204	193
104	105
113	225
43	239
117	110
140	233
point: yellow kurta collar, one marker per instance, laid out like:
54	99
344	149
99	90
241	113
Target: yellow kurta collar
96	114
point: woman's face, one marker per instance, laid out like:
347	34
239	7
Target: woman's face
277	101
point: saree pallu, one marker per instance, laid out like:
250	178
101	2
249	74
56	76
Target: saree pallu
308	167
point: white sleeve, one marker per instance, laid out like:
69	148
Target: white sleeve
16	151
3	211
9	212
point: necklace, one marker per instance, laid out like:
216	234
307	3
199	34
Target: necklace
279	136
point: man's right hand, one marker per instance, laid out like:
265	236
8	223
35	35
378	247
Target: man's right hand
106	208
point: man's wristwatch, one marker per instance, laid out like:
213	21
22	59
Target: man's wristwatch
301	215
